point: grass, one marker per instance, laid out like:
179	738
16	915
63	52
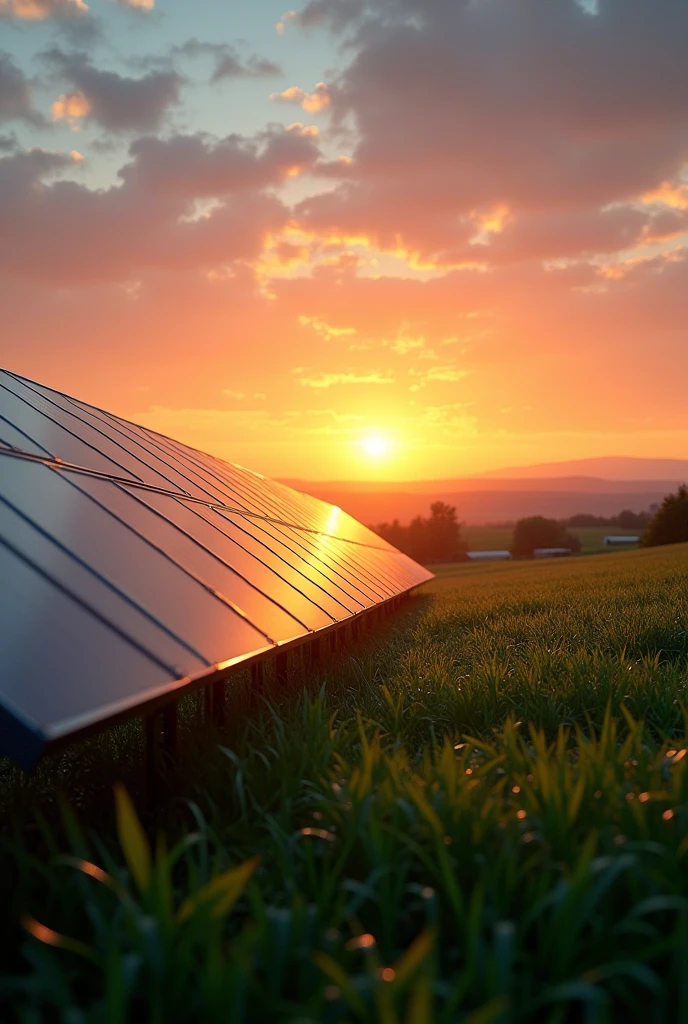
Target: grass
480	815
498	538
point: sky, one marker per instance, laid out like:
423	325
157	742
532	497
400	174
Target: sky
360	239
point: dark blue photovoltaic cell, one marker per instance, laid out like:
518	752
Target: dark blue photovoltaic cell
227	544
116	605
11	437
96	538
51	430
133	565
160	530
53	680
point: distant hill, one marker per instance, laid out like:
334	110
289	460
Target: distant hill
606	468
495	498
500	485
487	506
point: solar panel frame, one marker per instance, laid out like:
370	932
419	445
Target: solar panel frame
285	568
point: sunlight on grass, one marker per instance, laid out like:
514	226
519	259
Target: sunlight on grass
480	815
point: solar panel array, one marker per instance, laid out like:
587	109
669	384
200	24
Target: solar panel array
132	565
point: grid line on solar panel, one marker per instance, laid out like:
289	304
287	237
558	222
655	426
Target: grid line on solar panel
253	478
80	442
74	640
210	552
134	472
307	544
292	544
165	554
296	563
100	577
60	464
111	548
277	513
149	519
319	596
21	442
40	547
68	592
164	477
136	435
201	522
39	391
308	541
142	440
189	563
188	457
283	535
282	500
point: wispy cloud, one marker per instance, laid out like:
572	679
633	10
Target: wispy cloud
328	380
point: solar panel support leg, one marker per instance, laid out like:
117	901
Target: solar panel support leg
281	668
333	642
152	775
170	735
208	704
219	703
315	653
257	680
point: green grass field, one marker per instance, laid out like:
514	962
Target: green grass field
496	538
479	815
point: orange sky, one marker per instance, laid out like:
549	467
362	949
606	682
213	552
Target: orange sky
457	228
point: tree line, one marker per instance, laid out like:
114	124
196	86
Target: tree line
437	538
433	539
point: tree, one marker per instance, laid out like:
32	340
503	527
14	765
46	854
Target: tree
628	520
538	532
437	539
585	519
669	525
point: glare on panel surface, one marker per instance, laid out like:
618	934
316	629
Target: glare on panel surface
133	566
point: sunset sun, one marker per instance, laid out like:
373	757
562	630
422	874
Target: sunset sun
375	446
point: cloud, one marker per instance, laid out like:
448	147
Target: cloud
281	25
115	102
255	67
324	330
187	202
228	62
328	380
16	100
39	10
312	102
437	375
462	109
72	107
406	342
215	167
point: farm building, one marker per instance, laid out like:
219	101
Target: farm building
488	556
621	540
551	552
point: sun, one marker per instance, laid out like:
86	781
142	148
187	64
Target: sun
375	446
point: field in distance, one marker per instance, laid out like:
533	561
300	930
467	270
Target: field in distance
494	538
478	814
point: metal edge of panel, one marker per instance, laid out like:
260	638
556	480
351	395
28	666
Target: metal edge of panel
45	741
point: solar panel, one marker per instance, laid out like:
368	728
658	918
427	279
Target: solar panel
134	566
